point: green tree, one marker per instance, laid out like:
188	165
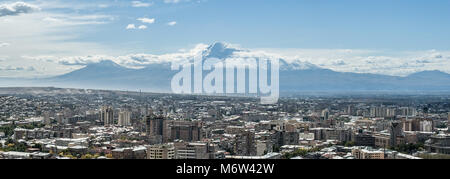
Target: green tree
349	144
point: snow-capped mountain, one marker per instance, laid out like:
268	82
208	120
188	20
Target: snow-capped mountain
295	76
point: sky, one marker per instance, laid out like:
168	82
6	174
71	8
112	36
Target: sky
41	38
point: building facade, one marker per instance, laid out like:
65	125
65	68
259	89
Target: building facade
163	151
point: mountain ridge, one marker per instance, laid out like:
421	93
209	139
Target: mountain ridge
158	77
295	76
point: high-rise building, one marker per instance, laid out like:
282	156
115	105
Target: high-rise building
188	131
107	115
92	115
426	126
325	114
124	118
245	144
362	139
351	110
390	112
407	111
411	124
47	119
156	128
281	138
395	131
155	125
407	125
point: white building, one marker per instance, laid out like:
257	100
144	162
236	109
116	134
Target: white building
124	118
426	126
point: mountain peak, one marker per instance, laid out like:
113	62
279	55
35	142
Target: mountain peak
104	68
220	50
218	45
105	63
297	65
430	73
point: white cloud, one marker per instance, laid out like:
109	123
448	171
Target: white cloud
47	32
103	5
4	44
44	32
183	1
76	20
17	8
398	63
131	60
175	1
147	20
11	68
131	26
142	27
172	23
140	4
73	5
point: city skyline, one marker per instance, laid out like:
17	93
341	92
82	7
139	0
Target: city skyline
101	124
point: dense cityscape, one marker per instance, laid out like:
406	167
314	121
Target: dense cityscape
51	123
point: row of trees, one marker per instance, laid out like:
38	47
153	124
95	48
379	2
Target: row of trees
409	148
300	153
10	145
